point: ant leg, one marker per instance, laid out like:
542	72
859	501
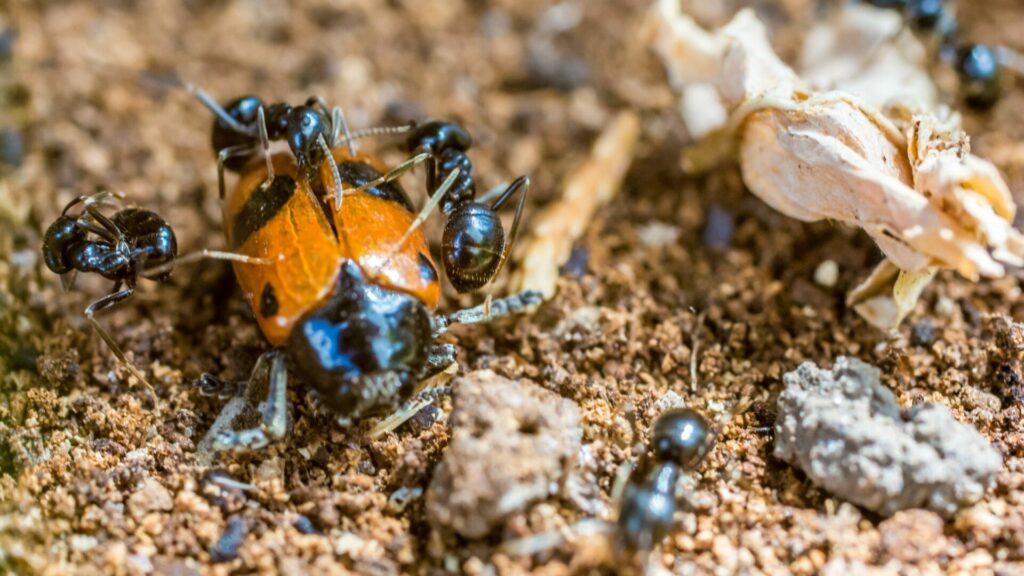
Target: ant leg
108	224
273	410
506	306
335	173
217	110
105	303
223	156
421	217
261	121
394	173
196	256
521	183
427	391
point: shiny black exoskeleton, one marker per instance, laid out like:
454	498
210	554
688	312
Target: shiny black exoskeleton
248	124
132	244
977	65
299	126
473	246
365	348
978	68
119	248
680	439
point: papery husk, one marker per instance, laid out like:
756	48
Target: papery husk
904	173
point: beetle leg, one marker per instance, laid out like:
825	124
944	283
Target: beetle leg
270	383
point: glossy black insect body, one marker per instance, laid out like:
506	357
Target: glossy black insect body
680	440
247	125
978	66
474	246
119	248
134	243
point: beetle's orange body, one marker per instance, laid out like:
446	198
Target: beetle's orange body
305	240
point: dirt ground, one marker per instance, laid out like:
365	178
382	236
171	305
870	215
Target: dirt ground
97	477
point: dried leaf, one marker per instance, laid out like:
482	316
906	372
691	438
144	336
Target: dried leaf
903	174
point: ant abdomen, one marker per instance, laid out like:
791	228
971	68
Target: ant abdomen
472	246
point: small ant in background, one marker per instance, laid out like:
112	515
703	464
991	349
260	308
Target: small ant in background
978	66
680	440
134	243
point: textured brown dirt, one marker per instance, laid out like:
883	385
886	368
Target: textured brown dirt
96	477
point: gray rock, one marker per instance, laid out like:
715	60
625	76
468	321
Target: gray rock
846	432
513	443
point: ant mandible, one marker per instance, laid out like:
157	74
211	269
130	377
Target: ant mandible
134	243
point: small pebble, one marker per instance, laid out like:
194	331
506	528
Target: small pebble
226	548
923	333
304	525
826	274
718	228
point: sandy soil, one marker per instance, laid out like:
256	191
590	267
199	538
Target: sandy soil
97	477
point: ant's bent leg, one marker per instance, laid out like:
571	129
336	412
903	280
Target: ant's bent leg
109	301
267	422
506	306
223	156
427	391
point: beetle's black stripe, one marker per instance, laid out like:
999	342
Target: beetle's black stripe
356	173
265	203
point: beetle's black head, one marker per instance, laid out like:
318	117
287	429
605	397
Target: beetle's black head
60	238
437	136
244	110
681	437
472	246
306	125
364	348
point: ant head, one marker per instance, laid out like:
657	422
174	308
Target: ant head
978	68
60	237
472	246
305	127
681	436
244	110
437	135
925	14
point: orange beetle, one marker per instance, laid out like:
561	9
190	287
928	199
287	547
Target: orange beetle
343	284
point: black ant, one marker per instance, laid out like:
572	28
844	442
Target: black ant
680	439
978	66
474	247
134	243
247	124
